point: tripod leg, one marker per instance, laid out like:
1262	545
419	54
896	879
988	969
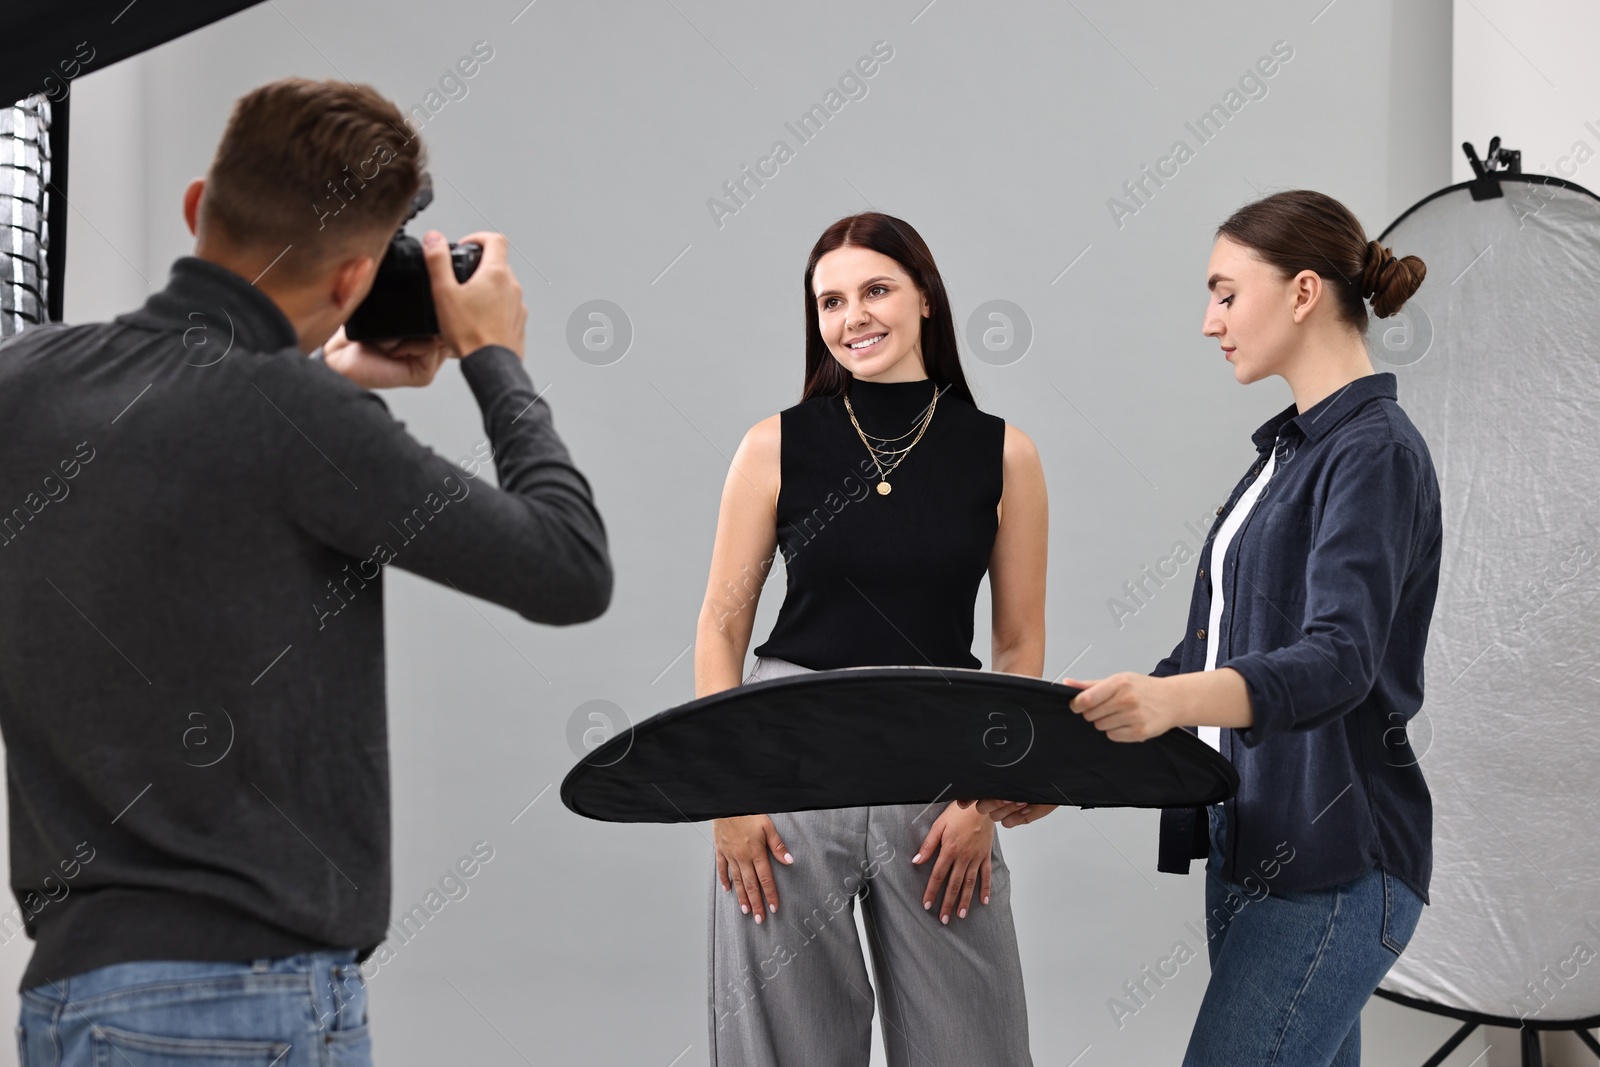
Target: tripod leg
1450	1046
1531	1054
1588	1039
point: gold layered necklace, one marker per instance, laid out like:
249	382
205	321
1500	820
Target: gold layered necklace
892	456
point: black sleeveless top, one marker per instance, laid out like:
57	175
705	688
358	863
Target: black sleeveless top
878	580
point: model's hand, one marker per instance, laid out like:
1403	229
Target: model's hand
962	838
1128	706
487	308
742	844
1011	812
386	364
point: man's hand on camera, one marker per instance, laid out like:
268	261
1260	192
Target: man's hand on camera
386	364
487	308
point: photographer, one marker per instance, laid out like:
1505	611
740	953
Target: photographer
195	516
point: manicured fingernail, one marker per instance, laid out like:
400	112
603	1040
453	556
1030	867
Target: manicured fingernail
758	918
986	900
745	908
945	919
917	858
962	913
772	907
926	904
788	858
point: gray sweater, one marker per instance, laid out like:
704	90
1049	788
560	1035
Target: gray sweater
194	518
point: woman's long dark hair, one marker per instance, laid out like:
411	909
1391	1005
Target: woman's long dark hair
825	375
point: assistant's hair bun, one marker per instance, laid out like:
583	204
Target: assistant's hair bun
1389	282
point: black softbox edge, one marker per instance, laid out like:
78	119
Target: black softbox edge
43	38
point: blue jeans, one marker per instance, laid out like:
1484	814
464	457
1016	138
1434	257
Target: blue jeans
292	1011
1291	971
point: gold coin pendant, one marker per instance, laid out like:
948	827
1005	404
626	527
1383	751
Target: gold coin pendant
883	488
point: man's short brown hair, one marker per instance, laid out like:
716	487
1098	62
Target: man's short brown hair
320	168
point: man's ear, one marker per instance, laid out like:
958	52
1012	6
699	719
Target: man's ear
352	280
191	204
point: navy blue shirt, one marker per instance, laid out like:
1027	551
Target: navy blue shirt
1331	585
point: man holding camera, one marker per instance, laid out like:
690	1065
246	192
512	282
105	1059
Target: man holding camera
194	516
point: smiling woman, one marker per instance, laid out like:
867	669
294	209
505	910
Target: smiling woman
956	493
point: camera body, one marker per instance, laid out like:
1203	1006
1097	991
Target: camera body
400	303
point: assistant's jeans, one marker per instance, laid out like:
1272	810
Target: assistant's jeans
308	1010
1290	971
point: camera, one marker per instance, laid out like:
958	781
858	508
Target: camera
400	304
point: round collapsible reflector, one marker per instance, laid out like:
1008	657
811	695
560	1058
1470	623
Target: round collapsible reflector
883	735
1498	359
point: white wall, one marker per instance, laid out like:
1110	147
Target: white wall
1528	73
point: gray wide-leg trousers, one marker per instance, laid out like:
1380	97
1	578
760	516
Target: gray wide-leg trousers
794	990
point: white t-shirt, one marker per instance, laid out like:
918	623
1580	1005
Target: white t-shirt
1212	735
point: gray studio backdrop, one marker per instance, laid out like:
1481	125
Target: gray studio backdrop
607	140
